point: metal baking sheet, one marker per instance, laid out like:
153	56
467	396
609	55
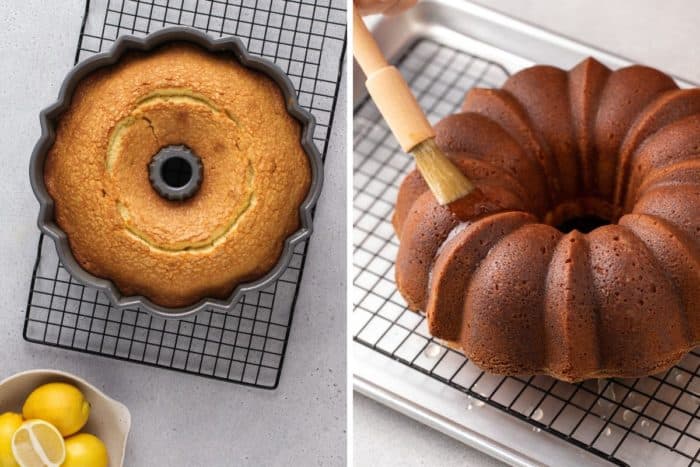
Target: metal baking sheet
414	390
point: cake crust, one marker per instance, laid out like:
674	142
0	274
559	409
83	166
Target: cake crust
506	286
255	174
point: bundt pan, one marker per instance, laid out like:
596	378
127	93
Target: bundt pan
50	116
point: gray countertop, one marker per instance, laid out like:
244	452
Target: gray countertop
661	34
178	420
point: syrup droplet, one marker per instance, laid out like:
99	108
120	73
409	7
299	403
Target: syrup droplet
432	350
538	414
536	429
608	431
680	377
644	423
608	391
631	415
601	385
628	415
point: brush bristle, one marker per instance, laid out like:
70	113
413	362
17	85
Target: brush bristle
445	180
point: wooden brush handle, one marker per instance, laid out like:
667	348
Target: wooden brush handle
389	90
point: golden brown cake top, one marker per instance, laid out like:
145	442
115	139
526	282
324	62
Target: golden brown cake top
255	174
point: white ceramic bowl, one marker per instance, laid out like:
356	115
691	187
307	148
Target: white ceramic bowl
109	420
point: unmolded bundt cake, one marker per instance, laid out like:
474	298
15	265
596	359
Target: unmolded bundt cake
518	295
255	174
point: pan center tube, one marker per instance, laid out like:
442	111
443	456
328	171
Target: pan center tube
175	172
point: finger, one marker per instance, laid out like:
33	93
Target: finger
372	7
369	7
400	6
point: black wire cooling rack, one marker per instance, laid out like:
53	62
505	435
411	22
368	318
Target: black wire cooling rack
606	417
247	346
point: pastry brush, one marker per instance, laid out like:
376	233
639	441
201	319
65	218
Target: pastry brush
408	123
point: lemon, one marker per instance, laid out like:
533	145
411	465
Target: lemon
37	443
60	404
9	422
85	450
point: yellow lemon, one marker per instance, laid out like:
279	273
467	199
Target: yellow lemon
60	404
85	450
9	422
37	443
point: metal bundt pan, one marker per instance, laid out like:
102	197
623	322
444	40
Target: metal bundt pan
50	116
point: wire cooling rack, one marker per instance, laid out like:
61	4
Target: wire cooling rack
606	417
307	40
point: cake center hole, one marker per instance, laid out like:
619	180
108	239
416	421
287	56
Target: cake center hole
584	214
583	224
176	172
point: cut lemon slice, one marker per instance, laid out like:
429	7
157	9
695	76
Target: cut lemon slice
37	443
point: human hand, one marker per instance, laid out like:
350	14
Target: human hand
386	7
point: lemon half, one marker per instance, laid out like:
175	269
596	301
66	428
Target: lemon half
37	443
60	404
